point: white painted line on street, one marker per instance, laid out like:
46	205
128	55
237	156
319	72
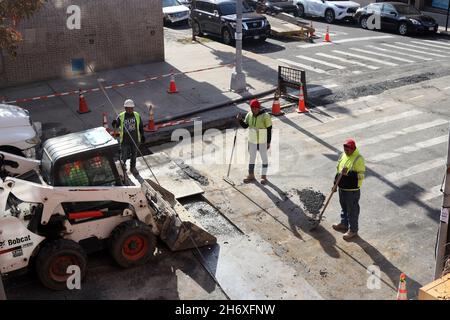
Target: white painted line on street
371	123
419	47
400	53
417	97
430	45
322	62
381	55
362	39
413	50
409	149
432	194
310	45
402	132
423	167
323	87
438	42
365	58
304	66
356	63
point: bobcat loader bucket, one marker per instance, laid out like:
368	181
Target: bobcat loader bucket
177	227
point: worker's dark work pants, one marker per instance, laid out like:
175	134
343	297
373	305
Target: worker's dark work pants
350	208
128	152
253	148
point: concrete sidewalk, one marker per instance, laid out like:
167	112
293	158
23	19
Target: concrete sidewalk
197	90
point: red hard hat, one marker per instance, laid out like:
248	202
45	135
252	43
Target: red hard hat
350	143
255	104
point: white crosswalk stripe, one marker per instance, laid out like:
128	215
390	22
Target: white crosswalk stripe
371	123
412	50
356	63
381	55
304	66
408	149
311	45
365	58
438	42
432	194
420	168
419	47
430	45
400	53
405	131
325	63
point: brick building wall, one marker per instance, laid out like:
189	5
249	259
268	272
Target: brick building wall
114	33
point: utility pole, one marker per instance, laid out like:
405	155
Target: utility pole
238	82
443	236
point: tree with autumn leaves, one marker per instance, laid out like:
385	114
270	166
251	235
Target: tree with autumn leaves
11	13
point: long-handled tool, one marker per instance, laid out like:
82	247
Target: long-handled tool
316	223
227	178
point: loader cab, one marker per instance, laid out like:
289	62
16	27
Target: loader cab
81	159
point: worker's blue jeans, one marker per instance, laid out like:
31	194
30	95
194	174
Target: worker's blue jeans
350	208
128	152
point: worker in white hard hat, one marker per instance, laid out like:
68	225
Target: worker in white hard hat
131	132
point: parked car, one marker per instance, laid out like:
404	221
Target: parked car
274	6
18	134
397	16
218	17
174	11
330	10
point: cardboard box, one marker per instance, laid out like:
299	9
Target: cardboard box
436	290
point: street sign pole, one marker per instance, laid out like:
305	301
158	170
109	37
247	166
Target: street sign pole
238	82
442	241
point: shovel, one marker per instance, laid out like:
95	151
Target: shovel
316	223
227	179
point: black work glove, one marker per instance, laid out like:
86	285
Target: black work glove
114	123
142	139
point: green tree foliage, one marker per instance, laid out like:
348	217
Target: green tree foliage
11	12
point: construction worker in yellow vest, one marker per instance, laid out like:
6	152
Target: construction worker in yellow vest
131	132
352	166
259	123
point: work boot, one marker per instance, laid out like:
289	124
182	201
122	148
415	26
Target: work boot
340	227
249	178
264	179
349	235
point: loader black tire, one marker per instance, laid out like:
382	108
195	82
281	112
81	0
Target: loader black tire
54	259
132	244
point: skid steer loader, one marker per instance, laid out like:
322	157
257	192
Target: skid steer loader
81	201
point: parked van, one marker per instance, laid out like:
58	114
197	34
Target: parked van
18	134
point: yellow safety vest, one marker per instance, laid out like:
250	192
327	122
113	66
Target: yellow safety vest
122	120
258	127
354	162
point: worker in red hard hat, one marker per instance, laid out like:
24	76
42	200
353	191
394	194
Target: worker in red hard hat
259	123
352	166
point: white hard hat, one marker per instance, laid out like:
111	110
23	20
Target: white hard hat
128	103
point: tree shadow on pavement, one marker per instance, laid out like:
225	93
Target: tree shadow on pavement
297	219
397	195
385	266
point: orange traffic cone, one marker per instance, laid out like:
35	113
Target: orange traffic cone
276	107
172	86
151	121
301	102
105	123
402	293
83	107
327	35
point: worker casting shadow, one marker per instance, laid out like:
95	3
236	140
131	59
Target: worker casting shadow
385	266
298	219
